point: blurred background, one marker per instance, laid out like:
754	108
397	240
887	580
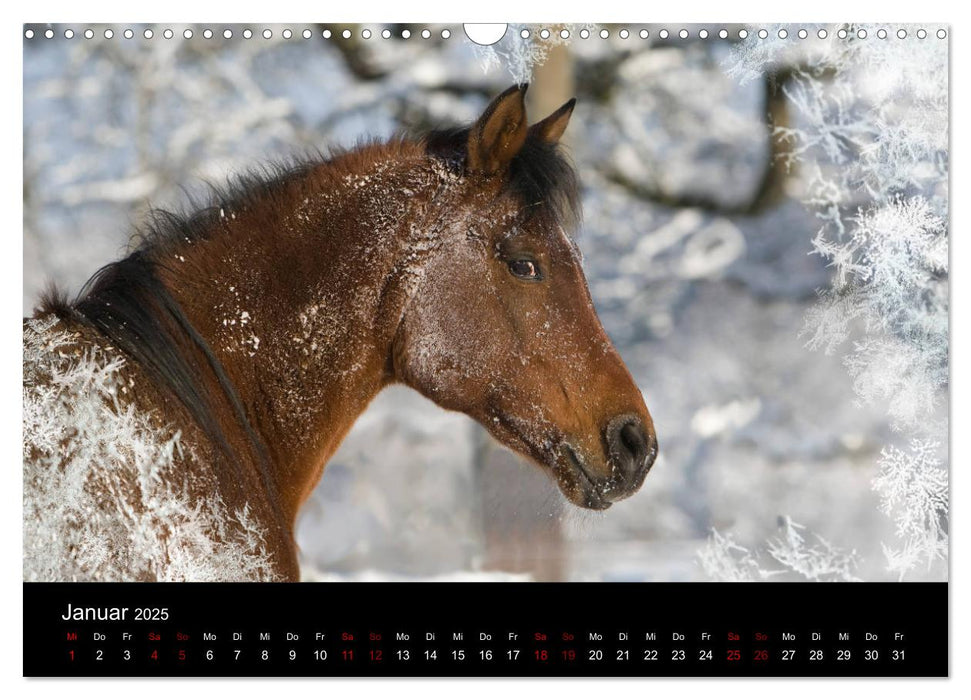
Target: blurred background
697	246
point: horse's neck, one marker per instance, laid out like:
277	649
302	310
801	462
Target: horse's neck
301	305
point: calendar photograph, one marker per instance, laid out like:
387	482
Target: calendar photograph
389	303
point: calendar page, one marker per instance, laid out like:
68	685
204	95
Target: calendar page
486	350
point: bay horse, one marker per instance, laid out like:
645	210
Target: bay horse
180	411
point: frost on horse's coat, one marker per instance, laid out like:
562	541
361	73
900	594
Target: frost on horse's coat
182	409
102	496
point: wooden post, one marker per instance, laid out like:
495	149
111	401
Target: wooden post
521	509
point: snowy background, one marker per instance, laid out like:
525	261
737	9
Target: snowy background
765	239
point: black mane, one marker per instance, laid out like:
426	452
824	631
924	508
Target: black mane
128	303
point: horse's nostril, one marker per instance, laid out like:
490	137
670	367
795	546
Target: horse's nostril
630	446
634	438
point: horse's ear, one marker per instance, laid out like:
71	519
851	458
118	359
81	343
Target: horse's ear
551	129
499	133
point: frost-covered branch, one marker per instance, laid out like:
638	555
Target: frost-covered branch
872	135
913	488
725	560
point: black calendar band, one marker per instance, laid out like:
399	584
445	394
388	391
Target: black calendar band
486	629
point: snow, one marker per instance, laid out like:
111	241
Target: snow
103	499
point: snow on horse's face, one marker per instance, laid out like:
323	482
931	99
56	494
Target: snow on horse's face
502	326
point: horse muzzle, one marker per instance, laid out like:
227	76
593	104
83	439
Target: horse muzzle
630	449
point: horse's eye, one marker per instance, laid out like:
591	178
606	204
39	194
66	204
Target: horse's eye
524	269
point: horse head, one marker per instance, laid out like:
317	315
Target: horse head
502	326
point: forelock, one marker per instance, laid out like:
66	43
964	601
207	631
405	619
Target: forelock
540	177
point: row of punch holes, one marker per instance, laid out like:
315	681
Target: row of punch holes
544	34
